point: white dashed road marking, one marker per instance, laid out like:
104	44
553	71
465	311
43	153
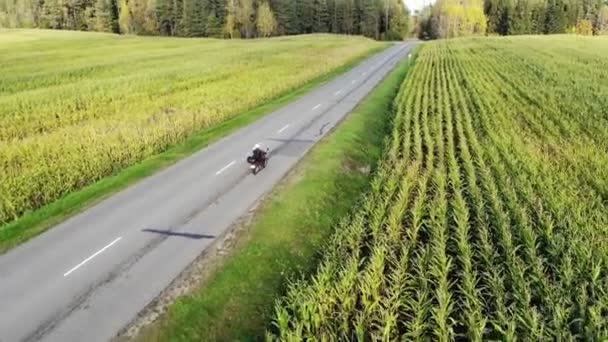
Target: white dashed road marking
225	167
91	257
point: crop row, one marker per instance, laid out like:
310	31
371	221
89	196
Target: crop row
487	218
77	107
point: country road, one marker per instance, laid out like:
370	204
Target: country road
88	277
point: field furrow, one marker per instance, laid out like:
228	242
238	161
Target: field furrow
499	229
77	107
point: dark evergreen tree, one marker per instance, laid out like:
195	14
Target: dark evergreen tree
521	21
537	18
305	16
197	28
213	25
53	14
555	18
333	22
213	14
164	15
292	24
114	16
370	23
193	22
281	14
320	16
177	14
349	25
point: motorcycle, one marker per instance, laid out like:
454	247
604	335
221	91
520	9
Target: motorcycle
257	165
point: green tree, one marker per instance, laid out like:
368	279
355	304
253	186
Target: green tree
349	17
320	16
602	20
213	25
492	10
78	14
521	18
214	12
146	17
286	15
177	14
53	14
334	16
397	27
537	17
555	20
380	19
164	16
193	23
305	16
281	14
19	13
370	19
104	20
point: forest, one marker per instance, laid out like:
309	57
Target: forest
450	18
378	19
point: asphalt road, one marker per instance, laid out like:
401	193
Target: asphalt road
88	277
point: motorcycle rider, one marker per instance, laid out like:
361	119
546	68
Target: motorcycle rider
259	155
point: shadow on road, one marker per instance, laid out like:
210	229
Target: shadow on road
291	147
293	140
172	233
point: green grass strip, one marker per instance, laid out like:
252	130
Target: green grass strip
288	232
35	222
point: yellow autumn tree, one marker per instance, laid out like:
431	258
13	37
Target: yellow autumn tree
584	27
265	22
453	18
124	18
230	28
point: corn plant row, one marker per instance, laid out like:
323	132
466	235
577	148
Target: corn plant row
487	219
75	108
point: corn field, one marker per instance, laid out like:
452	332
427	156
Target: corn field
488	216
76	107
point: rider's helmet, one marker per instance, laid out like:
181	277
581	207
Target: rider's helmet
256	147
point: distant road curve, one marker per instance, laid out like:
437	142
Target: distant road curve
88	277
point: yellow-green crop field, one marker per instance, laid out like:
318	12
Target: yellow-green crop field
488	218
76	107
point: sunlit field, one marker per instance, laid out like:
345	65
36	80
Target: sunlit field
488	218
76	107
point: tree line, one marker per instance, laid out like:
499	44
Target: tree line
452	18
378	19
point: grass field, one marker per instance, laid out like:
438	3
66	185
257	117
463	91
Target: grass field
76	107
488	218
